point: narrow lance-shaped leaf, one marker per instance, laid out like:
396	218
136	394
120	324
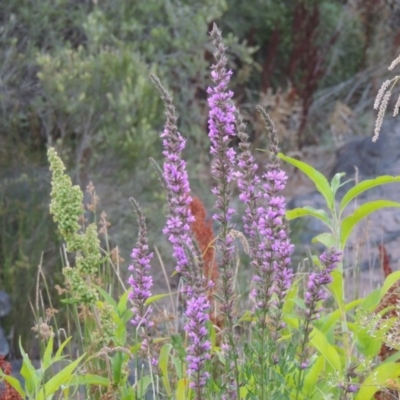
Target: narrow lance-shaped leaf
14	382
32	379
46	360
163	364
320	342
58	355
311	379
321	183
62	378
366	185
335	182
308	211
363	211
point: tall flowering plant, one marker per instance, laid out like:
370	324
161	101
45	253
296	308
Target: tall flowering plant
141	283
270	248
188	258
222	129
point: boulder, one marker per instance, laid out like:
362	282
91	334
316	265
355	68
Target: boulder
5	303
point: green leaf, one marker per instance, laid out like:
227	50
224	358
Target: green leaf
61	349
320	342
365	185
122	303
334	316
335	182
319	180
14	382
336	287
117	362
163	364
363	211
291	321
135	348
368	344
372	300
247	316
180	393
46	360
311	379
389	282
327	239
393	358
128	315
120	334
142	385
212	335
378	378
243	392
157	297
29	373
106	296
290	300
178	366
89	379
60	379
308	211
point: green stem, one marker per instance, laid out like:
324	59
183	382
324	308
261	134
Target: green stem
342	301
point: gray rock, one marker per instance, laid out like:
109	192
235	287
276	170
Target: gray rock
4	347
5	303
368	158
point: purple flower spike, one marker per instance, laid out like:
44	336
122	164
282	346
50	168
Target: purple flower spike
265	225
188	259
222	129
221	124
140	280
176	183
314	294
198	351
317	280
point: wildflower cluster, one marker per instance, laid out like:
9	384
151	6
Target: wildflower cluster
264	223
186	252
268	365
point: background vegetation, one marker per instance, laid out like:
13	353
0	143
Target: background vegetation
74	74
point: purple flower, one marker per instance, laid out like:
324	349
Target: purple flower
140	280
188	259
317	280
314	294
352	388
176	183
198	352
265	225
221	124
